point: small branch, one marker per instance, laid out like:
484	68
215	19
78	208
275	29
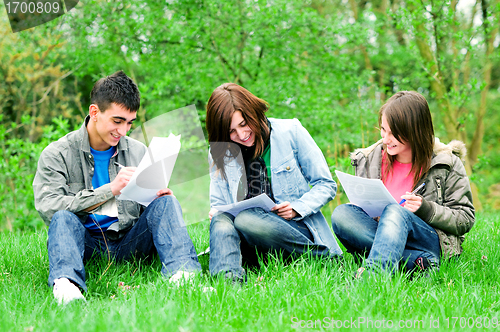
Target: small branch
436	36
223	60
53	85
17	127
257	70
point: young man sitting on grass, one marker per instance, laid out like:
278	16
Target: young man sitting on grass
75	186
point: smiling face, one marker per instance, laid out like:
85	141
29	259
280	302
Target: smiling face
400	150
240	132
106	128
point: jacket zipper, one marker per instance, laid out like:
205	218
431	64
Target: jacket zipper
438	185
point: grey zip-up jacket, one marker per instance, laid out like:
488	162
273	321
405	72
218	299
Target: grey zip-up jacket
446	197
63	179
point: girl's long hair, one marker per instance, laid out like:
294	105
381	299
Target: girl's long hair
224	101
410	121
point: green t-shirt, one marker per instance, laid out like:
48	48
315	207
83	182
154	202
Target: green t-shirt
266	156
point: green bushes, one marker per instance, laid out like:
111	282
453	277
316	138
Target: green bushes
18	164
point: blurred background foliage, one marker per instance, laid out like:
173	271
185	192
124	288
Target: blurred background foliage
329	63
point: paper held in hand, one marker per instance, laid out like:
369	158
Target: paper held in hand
262	201
154	170
369	194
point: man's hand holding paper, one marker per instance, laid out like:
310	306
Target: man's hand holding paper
122	179
150	179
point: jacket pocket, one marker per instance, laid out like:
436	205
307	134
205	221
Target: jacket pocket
434	190
132	209
286	178
439	190
75	188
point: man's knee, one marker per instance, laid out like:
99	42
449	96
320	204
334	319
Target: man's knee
165	206
65	226
167	201
65	219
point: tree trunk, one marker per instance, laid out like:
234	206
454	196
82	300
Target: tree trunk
490	36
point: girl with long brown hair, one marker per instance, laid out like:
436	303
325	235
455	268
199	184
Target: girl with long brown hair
250	155
430	222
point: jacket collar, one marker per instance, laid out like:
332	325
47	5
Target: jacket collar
443	152
366	151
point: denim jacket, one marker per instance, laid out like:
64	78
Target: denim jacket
63	179
299	175
446	197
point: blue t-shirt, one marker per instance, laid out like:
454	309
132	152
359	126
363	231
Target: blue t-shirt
100	178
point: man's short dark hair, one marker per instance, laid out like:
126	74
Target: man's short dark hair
117	88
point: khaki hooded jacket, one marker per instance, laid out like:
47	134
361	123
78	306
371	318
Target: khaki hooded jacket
446	196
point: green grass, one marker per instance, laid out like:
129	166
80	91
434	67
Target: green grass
305	290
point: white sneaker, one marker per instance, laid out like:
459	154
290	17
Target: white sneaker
65	291
208	289
181	277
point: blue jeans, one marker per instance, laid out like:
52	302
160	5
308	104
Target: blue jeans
399	236
160	229
233	239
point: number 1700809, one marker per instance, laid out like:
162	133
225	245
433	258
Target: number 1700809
470	322
32	7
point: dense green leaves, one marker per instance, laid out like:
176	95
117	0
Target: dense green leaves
329	63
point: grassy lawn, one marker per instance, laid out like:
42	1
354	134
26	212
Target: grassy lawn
278	297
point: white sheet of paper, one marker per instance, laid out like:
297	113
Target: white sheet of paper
369	194
262	201
154	170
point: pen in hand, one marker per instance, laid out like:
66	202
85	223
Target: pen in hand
413	192
119	165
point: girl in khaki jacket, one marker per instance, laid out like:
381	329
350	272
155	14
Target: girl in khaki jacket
430	221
